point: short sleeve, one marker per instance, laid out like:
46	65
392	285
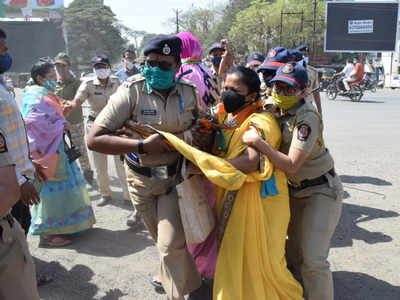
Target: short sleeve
118	110
306	133
5	157
83	92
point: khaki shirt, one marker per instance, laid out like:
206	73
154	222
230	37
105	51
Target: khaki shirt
302	129
67	91
96	94
133	101
5	156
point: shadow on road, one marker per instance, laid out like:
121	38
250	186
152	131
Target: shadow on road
359	286
72	285
364	179
348	228
118	243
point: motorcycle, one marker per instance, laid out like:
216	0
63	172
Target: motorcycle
368	85
336	88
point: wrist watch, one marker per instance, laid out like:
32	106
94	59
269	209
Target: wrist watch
140	147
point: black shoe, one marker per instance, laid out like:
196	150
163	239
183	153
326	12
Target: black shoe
133	220
157	286
42	279
88	175
204	292
104	201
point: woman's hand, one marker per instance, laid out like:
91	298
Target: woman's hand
251	137
67	126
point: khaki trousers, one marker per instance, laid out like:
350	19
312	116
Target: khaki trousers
160	213
17	271
78	138
315	212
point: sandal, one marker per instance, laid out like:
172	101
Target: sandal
154	281
54	241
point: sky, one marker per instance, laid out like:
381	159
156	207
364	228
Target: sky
151	15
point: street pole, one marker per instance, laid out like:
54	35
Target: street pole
177	11
280	34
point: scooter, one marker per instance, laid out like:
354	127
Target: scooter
336	88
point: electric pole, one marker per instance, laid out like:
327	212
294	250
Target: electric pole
177	12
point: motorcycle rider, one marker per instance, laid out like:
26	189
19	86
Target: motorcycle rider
355	75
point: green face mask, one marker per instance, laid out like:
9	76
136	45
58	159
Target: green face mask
284	102
159	79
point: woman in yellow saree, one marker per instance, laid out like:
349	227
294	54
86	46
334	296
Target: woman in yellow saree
253	202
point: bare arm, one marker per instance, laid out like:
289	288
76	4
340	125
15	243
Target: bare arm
102	140
246	162
289	164
9	189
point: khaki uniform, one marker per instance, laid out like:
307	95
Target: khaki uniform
97	96
314	82
155	198
17	271
316	194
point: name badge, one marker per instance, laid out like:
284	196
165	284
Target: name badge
98	93
149	112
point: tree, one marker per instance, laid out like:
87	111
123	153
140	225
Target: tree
93	29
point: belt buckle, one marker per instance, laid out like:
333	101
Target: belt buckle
160	172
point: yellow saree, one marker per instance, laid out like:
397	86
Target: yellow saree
251	262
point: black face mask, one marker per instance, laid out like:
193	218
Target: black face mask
232	101
216	61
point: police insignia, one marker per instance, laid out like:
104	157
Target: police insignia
272	53
98	58
3	144
303	132
166	50
287	69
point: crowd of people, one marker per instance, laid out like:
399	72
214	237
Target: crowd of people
251	136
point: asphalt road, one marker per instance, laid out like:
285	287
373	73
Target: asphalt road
113	262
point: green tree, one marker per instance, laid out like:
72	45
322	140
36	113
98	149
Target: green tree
93	29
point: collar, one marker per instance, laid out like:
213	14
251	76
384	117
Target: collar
69	80
294	109
150	90
96	81
132	72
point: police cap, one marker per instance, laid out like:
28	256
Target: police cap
164	44
293	74
100	59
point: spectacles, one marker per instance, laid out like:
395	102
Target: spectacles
46	59
163	65
285	90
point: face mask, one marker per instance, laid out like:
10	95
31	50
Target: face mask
102	73
5	63
232	101
354	61
216	61
284	102
50	85
305	58
159	79
128	65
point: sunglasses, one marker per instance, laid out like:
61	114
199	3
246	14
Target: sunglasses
163	65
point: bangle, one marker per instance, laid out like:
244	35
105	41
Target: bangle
140	147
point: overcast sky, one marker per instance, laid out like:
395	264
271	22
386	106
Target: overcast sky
150	15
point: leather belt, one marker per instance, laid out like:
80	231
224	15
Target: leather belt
315	181
154	171
9	218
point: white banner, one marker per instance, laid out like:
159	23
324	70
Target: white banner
361	26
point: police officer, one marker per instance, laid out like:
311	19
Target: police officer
97	90
155	98
129	69
254	60
315	189
66	89
17	271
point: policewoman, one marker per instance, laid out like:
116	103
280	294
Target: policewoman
157	99
315	189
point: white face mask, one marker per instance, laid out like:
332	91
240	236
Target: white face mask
102	73
128	65
305	58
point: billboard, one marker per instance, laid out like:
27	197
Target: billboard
32	8
29	41
361	26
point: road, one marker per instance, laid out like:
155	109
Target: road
113	262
